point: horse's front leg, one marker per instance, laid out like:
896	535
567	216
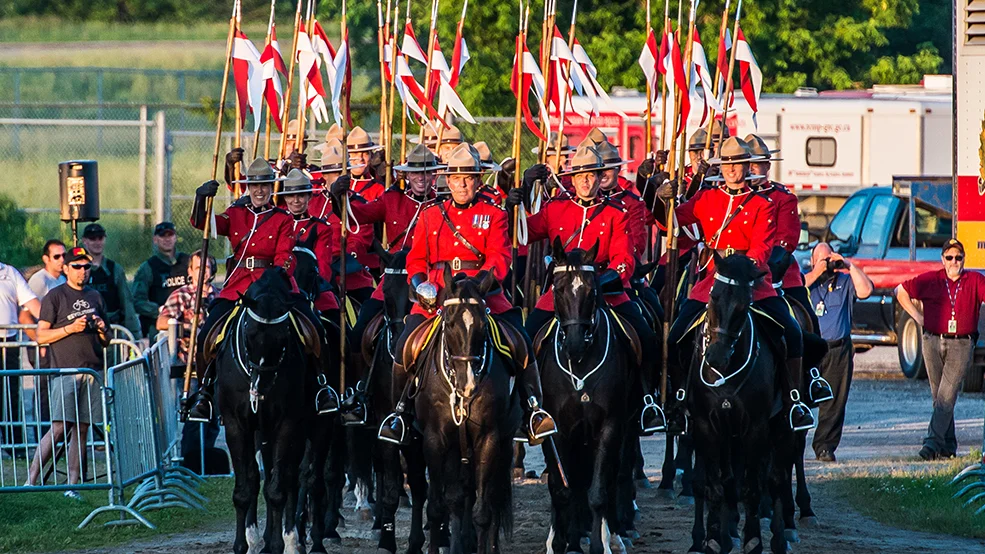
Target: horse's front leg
389	483
434	454
492	489
417	479
698	529
807	516
247	487
604	475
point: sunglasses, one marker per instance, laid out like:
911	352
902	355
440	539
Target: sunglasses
57	256
86	267
954	258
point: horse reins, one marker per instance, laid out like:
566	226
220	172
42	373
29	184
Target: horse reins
254	376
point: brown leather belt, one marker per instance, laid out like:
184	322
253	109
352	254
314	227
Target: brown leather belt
249	263
726	252
459	264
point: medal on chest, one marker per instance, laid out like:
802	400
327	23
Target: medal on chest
480	221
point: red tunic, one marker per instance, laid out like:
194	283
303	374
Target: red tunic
482	224
638	223
603	220
751	231
263	235
316	235
357	244
399	212
370	189
787	228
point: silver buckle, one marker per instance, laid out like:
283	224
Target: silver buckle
456	264
249	263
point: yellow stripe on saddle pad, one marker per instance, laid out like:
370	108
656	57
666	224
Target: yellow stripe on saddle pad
620	323
297	329
695	325
497	338
435	323
767	316
225	325
350	312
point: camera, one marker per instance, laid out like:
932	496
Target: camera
835	265
91	325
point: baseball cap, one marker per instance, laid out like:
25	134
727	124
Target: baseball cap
76	254
164	228
93	230
953	243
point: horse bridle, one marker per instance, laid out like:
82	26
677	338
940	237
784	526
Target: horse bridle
733	338
457	402
250	369
592	323
314	285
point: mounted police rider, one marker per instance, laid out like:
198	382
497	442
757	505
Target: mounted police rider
736	220
261	236
468	234
580	220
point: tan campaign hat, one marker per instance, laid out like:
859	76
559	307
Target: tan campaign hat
359	141
430	136
260	172
486	157
597	136
463	160
734	150
586	159
552	144
419	160
296	183
698	140
331	159
292	132
451	135
610	155
334	133
758	147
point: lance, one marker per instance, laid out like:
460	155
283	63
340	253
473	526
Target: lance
458	33
238	135
568	92
266	135
517	178
729	94
207	227
689	73
380	40
718	74
286	112
393	90
665	89
670	286
403	105
547	35
432	34
344	220
302	90
648	122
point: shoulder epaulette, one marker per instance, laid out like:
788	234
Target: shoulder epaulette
489	201
780	187
615	203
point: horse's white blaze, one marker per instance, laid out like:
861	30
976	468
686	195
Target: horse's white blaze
606	536
468	321
261	361
291	543
577	283
253	539
550	540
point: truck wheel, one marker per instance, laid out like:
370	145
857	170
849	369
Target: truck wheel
909	346
973	380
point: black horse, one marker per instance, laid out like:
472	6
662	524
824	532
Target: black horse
588	373
733	394
322	471
262	379
384	388
468	414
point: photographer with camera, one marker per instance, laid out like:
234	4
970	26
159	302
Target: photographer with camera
834	284
73	325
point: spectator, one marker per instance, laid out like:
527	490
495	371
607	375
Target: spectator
109	280
17	305
50	276
834	284
180	307
73	324
951	298
158	277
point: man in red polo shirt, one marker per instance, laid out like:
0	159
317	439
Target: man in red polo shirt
951	299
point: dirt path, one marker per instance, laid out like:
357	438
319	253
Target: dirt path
885	423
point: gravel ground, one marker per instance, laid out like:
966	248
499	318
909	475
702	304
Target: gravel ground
886	420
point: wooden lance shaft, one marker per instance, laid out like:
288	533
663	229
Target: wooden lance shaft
344	231
286	113
729	94
207	227
432	33
393	94
718	74
648	121
303	106
517	180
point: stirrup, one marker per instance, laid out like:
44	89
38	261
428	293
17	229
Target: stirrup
823	392
795	397
326	400
356	414
661	418
202	404
537	412
389	423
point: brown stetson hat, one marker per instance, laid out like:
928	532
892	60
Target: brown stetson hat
359	141
451	135
586	159
419	160
486	157
735	150
296	183
292	132
610	155
331	159
552	145
758	147
463	160
260	172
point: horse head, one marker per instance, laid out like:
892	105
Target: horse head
728	308
576	298
267	330
306	270
396	293
465	353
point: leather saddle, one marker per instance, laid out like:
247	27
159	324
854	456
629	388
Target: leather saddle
626	332
368	346
506	340
306	331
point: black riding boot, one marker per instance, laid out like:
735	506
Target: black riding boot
327	398
393	428
800	416
354	408
202	408
540	424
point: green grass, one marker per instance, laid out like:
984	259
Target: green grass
50	29
44	522
918	500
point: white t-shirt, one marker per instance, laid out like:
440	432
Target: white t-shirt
14	293
42	281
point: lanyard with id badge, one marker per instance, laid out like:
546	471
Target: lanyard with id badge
952	324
